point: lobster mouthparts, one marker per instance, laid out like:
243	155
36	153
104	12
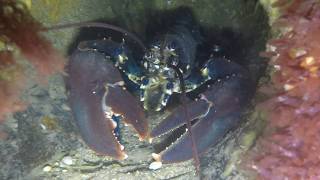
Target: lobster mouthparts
96	94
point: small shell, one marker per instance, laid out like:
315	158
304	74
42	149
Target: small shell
47	168
155	165
67	160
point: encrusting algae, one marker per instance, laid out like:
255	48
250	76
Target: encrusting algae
290	149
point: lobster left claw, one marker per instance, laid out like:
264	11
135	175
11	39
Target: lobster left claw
217	112
96	94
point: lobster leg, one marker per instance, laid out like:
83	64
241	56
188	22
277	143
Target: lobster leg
96	94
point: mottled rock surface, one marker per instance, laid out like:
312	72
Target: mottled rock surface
44	135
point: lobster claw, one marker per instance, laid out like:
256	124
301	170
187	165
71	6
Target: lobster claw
217	112
96	93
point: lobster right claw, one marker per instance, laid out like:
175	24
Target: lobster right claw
217	112
96	94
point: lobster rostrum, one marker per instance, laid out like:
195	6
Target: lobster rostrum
107	83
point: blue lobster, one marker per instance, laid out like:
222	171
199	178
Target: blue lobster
108	84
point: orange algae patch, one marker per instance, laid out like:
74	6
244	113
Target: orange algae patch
11	80
291	147
21	29
19	32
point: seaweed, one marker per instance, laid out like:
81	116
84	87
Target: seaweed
20	38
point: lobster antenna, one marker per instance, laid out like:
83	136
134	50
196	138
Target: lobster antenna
183	89
97	25
193	142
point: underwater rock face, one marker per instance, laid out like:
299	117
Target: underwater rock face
240	28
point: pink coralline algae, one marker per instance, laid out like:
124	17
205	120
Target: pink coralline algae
290	148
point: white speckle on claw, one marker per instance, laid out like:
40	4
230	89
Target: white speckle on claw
114	123
121	147
155	165
125	156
